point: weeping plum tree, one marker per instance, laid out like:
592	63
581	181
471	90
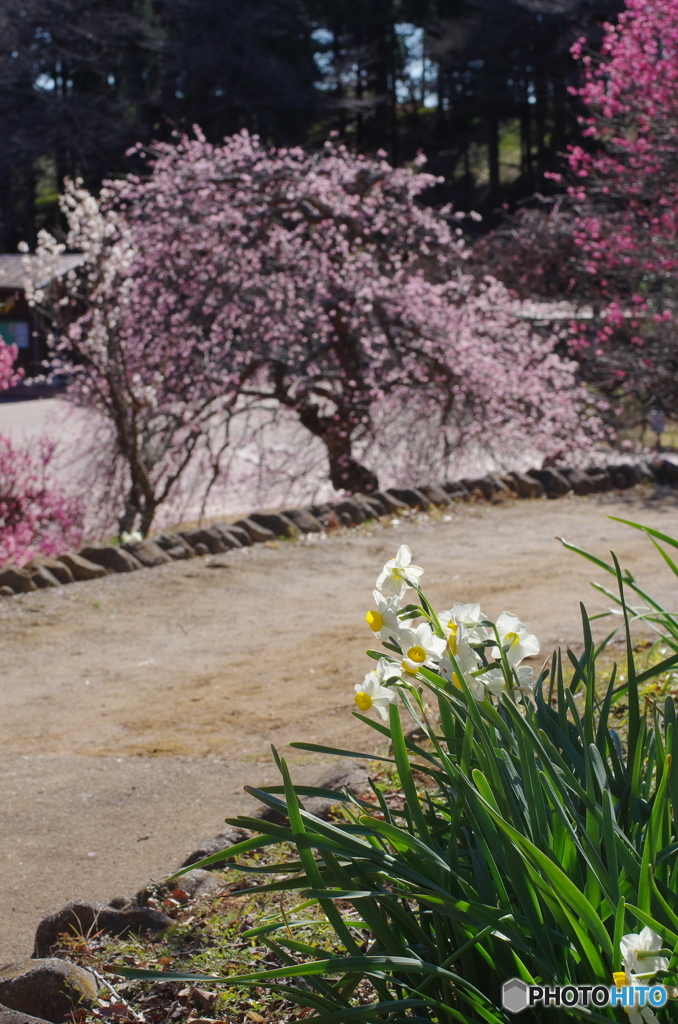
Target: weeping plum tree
319	283
322	282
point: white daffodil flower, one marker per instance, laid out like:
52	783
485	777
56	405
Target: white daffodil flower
646	942
468	661
467	615
398	574
420	647
372	693
495	683
636	1014
516	638
383	620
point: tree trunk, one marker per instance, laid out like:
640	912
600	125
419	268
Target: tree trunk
346	473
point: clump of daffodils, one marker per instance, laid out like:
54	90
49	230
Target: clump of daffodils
457	647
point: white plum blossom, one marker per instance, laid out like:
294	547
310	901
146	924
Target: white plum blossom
383	620
420	647
646	941
372	693
398	574
516	638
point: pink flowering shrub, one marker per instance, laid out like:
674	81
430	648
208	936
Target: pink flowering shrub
37	516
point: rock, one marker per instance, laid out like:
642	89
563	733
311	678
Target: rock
412	497
229	837
645	473
489	486
331	521
304	520
579	481
352	509
509	482
227	535
49	988
175	546
18	579
276	522
210	538
371	506
456	490
621	480
527	486
60	571
194	885
82	568
600	477
83	918
42	577
392	504
8	1016
345	774
115	559
665	471
319	510
435	493
148	553
240	534
553	482
6	592
257	534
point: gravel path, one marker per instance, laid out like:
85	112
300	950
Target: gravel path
134	709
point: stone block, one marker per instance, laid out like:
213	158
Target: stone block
392	504
553	482
207	536
114	559
240	534
82	568
60	571
148	553
49	988
276	522
411	496
304	520
81	917
258	534
350	511
527	486
456	490
42	577
435	494
18	579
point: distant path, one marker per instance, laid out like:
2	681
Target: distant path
134	709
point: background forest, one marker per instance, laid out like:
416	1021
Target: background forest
481	86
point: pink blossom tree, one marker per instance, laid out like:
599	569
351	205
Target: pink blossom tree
37	516
319	283
611	240
626	190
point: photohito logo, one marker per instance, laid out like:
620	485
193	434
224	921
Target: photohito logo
517	995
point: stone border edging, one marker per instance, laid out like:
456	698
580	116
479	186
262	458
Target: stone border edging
259	527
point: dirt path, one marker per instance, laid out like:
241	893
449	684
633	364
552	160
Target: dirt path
134	709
